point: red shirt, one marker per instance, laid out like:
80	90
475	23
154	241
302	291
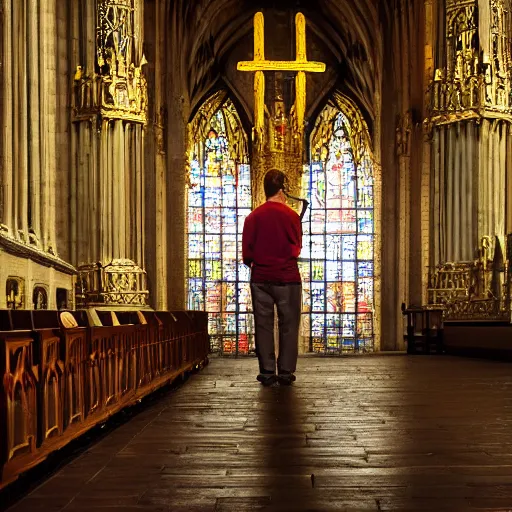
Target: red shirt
271	243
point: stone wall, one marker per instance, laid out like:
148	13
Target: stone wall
34	274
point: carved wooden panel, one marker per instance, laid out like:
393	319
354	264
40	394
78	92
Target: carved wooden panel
51	385
155	353
185	330
108	367
76	366
165	340
126	361
18	415
170	338
143	358
150	356
93	376
157	333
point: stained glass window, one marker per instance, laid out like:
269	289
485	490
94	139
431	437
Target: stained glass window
219	200
337	258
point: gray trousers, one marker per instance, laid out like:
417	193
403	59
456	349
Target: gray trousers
288	299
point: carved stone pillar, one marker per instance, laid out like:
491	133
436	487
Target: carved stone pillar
110	114
469	125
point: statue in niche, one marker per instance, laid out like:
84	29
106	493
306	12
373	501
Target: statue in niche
14	293
453	96
459	66
501	93
488	83
277	119
121	94
279	128
131	84
470	63
470	73
438	88
473	91
403	134
86	93
40	298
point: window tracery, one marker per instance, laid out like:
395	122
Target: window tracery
337	260
219	200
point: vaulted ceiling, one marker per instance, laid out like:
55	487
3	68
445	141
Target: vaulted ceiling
204	33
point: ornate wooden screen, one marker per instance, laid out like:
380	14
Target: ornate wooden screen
337	260
219	200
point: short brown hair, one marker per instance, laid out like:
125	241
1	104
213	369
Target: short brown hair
273	182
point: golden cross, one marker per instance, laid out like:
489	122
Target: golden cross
259	65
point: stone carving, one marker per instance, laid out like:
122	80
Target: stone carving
403	134
119	283
117	89
477	75
474	289
473	85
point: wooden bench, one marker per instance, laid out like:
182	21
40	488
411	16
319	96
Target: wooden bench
58	382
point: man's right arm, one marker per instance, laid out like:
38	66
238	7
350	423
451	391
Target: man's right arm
248	242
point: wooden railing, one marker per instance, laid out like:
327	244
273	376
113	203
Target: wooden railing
57	383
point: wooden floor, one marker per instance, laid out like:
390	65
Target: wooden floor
356	433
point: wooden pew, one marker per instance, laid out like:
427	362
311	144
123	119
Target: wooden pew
60	379
18	403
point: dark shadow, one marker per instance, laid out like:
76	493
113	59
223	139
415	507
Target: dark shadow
283	421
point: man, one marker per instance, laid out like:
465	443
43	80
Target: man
271	244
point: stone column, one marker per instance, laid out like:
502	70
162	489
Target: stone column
470	130
47	70
110	100
160	165
21	170
28	125
6	221
16	64
34	109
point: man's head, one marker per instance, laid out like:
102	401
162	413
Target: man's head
273	182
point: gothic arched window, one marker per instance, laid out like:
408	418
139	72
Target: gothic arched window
337	260
219	200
